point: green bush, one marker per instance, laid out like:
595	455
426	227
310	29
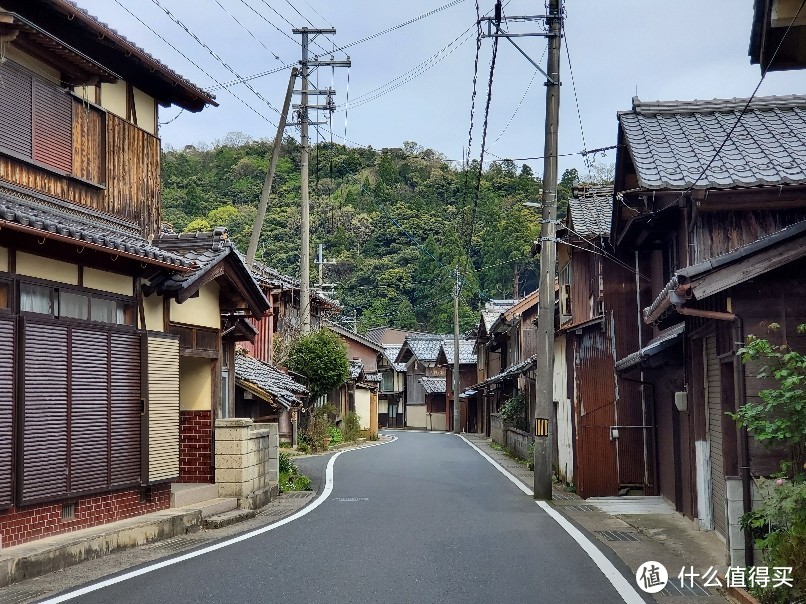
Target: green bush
514	410
317	429
336	437
287	466
320	356
351	426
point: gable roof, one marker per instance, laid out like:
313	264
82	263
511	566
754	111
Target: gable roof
266	381
212	255
423	346
273	279
75	29
671	142
467	354
591	211
351	335
391	352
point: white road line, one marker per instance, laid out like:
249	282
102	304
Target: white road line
171	561
611	573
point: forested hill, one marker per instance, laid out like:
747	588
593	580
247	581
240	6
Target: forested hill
395	221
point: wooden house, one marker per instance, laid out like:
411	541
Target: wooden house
101	346
419	354
715	248
469	411
392	388
776	36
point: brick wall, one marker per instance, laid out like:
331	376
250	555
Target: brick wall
196	446
20	525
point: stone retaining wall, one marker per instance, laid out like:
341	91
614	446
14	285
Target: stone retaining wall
247	462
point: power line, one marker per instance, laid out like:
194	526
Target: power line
274	10
247	30
192	62
576	98
216	57
514	113
262	16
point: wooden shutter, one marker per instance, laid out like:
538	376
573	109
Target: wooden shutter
52	126
125	408
45	411
15	109
89	410
163	408
6	409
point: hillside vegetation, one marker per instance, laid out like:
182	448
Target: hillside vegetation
395	221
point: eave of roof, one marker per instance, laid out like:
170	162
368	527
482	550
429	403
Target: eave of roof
665	339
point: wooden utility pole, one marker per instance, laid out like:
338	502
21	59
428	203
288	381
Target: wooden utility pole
457	415
544	408
275	152
305	252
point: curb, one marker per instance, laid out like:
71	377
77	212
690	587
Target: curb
218	521
61	551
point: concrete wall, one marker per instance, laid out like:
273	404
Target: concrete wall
437	421
497	431
565	415
247	462
518	443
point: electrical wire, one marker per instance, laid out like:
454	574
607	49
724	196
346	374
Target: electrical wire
247	30
215	56
576	98
262	16
192	62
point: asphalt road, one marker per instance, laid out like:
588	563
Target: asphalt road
421	519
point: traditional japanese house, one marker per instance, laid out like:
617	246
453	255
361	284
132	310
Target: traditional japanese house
469	411
419	354
392	388
776	36
716	242
90	375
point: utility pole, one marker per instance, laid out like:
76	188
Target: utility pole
544	405
320	260
275	152
457	415
305	255
544	408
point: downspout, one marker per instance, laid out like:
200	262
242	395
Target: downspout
739	387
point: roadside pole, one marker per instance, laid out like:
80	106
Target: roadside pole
544	408
457	415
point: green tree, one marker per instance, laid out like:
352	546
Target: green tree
321	357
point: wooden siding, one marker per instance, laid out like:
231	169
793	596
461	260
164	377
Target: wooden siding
595	410
163	408
714	402
129	156
7	384
717	233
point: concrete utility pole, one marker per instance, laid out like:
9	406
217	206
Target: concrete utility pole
275	152
457	415
305	255
544	409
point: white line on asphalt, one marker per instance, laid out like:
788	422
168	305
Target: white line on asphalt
171	561
622	585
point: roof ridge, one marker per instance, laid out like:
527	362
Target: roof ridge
640	107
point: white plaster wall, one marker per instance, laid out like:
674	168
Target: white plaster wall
46	268
202	310
109	282
565	417
362	407
415	416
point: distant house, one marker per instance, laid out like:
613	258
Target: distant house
419	354
392	388
709	252
434	393
469	410
777	33
265	394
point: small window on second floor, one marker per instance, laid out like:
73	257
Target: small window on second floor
73	306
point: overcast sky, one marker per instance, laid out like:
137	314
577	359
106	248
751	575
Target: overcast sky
680	50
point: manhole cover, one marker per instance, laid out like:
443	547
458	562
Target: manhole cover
684	588
618	535
581	508
351	499
18	596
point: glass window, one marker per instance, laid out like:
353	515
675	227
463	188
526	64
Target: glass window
387	381
36	298
105	311
73	306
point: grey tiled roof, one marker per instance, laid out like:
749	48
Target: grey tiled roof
425	346
671	142
391	352
269	379
493	309
510	372
265	275
433	385
466	354
53	216
591	211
